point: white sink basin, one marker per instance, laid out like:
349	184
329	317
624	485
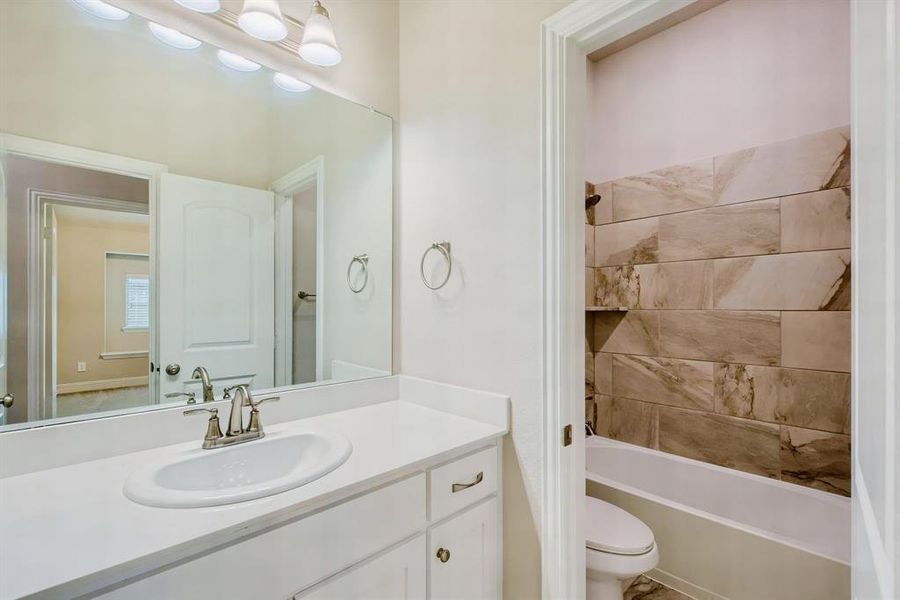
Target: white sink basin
273	464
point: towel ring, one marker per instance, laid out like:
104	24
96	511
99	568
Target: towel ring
443	248
363	260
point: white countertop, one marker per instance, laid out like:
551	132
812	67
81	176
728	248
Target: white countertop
70	530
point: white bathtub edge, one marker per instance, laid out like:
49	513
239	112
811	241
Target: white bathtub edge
787	541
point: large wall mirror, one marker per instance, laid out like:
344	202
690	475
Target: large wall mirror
162	211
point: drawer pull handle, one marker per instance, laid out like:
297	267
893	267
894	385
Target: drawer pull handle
443	555
458	487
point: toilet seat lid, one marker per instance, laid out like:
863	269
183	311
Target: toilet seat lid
610	529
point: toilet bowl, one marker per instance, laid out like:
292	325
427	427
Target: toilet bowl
619	547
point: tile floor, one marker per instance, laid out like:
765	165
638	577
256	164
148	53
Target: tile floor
644	588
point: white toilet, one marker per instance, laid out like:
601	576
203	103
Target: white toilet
619	547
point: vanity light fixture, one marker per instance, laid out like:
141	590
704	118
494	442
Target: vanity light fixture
236	61
103	10
203	6
262	19
318	45
173	37
290	84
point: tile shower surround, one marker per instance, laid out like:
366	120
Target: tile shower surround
735	348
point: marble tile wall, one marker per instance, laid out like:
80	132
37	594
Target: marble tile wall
735	345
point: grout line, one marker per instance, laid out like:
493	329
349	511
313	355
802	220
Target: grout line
723	362
742	202
702	412
714	258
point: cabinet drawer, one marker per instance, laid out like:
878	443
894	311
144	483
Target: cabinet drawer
463	482
285	560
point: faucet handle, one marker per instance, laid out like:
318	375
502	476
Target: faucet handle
214	412
255	425
255	403
190	396
213	431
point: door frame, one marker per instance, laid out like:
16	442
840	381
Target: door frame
567	37
875	327
41	325
84	158
4	301
302	178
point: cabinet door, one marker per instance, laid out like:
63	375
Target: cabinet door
396	575
470	544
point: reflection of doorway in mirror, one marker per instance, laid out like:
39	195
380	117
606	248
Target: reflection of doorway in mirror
300	297
40	196
97	307
303	368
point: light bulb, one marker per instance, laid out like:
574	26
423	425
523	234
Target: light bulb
290	84
203	6
103	10
319	45
173	37
262	19
236	61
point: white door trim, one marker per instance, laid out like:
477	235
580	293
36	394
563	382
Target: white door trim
110	163
875	156
42	380
566	39
4	300
301	178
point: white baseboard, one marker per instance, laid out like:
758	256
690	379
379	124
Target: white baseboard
101	384
685	587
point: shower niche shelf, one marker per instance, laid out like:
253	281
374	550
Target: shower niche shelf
606	308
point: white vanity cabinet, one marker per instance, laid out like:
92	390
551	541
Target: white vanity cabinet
381	544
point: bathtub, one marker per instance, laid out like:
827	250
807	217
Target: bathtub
726	534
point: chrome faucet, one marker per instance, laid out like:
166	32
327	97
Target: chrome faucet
236	416
235	433
203	375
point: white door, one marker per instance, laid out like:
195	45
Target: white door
462	555
876	300
3	301
397	575
216	284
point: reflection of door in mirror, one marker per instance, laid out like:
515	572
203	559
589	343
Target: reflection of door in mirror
80	241
303	368
216	292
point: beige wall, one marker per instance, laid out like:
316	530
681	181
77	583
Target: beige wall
742	74
125	93
82	245
470	173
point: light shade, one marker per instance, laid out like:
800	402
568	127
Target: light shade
290	84
262	19
103	10
203	6
319	45
236	61
173	37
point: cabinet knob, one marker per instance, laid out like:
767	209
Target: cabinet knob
7	400
443	555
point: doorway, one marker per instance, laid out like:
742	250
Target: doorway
300	274
93	301
584	27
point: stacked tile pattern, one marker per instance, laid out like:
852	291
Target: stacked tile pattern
735	345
